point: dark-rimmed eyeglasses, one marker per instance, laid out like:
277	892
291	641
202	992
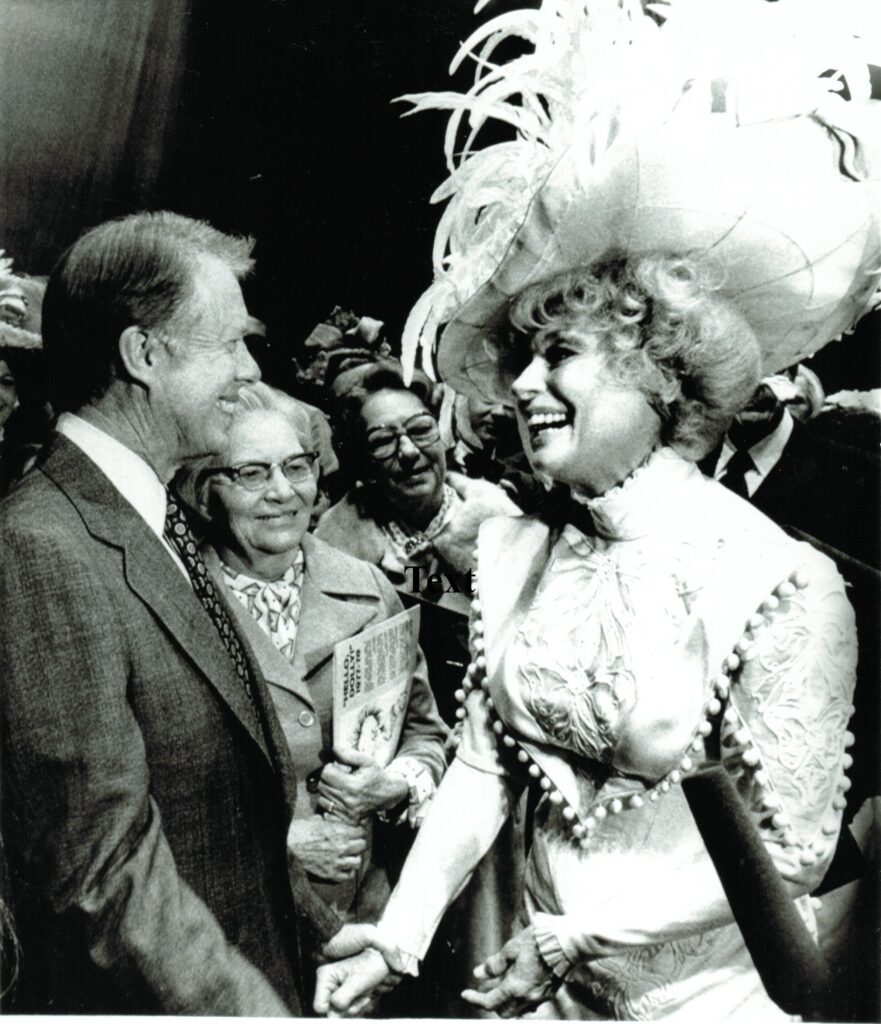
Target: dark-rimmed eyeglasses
296	469
382	442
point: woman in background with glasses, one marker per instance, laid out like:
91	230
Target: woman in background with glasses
295	598
404	514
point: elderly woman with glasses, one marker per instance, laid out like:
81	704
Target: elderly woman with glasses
295	598
405	514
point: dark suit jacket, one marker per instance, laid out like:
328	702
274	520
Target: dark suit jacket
827	490
340	598
145	807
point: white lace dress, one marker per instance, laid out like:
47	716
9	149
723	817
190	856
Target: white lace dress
602	664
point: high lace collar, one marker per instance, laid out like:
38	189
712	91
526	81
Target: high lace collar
646	501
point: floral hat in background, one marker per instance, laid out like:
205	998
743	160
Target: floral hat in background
21	302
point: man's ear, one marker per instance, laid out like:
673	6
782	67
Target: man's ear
203	495
139	350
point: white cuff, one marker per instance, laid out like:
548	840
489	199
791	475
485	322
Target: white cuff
409	961
549	945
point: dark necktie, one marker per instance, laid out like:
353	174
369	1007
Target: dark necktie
178	532
734	477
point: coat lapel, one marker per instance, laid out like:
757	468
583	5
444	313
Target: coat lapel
330	613
151	573
273	664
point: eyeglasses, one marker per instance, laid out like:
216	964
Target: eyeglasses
382	442
297	469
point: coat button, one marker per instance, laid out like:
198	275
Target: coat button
307	719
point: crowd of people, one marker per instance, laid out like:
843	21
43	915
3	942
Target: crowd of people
180	831
644	547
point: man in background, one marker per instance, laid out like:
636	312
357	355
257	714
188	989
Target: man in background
147	789
823	489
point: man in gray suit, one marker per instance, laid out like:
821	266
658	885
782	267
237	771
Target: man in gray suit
147	788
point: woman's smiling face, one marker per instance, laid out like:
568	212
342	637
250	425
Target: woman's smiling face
412	478
8	392
262	528
580	425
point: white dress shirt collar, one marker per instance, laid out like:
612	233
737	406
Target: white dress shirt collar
129	473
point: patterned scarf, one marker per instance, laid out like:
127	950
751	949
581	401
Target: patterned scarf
275	604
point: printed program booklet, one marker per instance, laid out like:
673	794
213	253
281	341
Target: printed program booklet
372	677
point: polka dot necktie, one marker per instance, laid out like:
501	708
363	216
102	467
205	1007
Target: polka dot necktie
178	533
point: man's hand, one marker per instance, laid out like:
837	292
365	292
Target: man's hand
481	500
348	987
514	980
327	848
355	786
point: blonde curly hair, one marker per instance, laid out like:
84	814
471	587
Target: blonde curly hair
663	329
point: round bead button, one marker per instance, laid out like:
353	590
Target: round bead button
306	719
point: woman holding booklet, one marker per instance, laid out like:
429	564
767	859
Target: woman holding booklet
295	598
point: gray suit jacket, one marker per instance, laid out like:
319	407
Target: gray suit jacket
340	597
145	803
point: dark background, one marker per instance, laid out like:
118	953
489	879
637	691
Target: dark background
266	117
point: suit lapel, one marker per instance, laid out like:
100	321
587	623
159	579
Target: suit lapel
789	475
151	573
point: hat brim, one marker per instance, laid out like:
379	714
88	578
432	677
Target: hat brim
792	239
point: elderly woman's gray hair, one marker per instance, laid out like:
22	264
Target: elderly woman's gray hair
193	481
665	330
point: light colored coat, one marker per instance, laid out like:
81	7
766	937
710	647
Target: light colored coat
340	597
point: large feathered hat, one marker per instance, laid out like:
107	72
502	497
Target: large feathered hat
741	132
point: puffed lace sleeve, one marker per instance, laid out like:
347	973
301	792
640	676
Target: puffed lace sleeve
784	735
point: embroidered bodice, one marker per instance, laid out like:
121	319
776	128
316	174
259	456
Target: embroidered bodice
612	659
601	655
603	629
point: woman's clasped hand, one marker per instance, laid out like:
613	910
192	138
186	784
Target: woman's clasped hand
327	847
355	785
514	980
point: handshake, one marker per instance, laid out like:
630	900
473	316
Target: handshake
511	982
363	967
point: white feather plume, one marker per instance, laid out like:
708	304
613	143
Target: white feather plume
596	68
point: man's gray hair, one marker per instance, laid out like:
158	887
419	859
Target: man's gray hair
135	271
